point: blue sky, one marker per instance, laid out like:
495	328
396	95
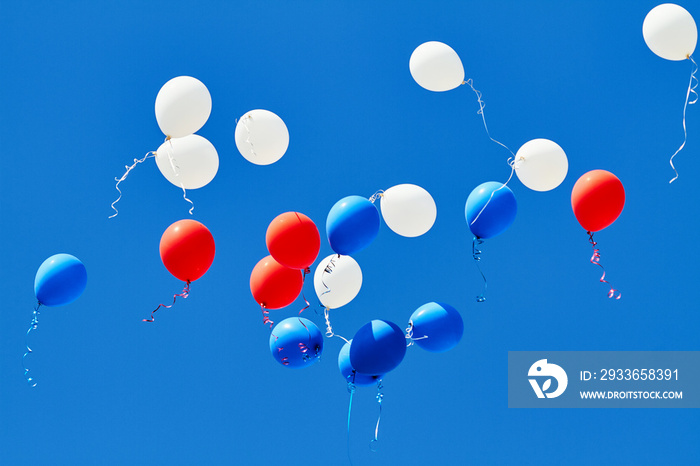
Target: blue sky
199	385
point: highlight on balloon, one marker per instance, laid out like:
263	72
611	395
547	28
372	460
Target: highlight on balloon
670	32
186	160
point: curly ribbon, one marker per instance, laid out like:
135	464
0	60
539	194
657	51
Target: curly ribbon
691	88
247	139
595	259
482	105
184	196
475	254
373	444
266	316
305	272
33	325
176	170
377	195
184	294
119	180
329	328
410	339
328	270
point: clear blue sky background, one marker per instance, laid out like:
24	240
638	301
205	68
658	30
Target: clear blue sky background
78	86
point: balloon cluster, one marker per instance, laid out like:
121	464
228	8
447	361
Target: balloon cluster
189	161
187	249
540	164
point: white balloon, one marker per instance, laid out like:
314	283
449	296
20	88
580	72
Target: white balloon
183	105
189	162
261	137
408	210
337	280
436	67
670	32
541	164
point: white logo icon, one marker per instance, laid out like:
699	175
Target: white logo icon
543	369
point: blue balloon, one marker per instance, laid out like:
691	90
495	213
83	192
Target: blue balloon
296	342
378	347
60	280
440	323
498	214
350	374
352	224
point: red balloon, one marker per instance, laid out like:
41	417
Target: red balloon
273	285
187	249
293	240
597	199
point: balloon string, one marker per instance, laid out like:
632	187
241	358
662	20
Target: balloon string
284	360
511	162
482	105
266	316
176	171
305	272
595	259
328	270
329	328
304	348
184	294
476	252
184	196
691	88
377	195
380	396
33	325
250	143
119	180
409	335
351	390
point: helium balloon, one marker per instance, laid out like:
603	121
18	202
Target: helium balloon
273	285
352	224
378	347
350	374
261	137
337	280
189	162
293	240
497	216
187	249
436	66
436	327
183	105
61	279
670	32
296	342
408	210
541	164
597	199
